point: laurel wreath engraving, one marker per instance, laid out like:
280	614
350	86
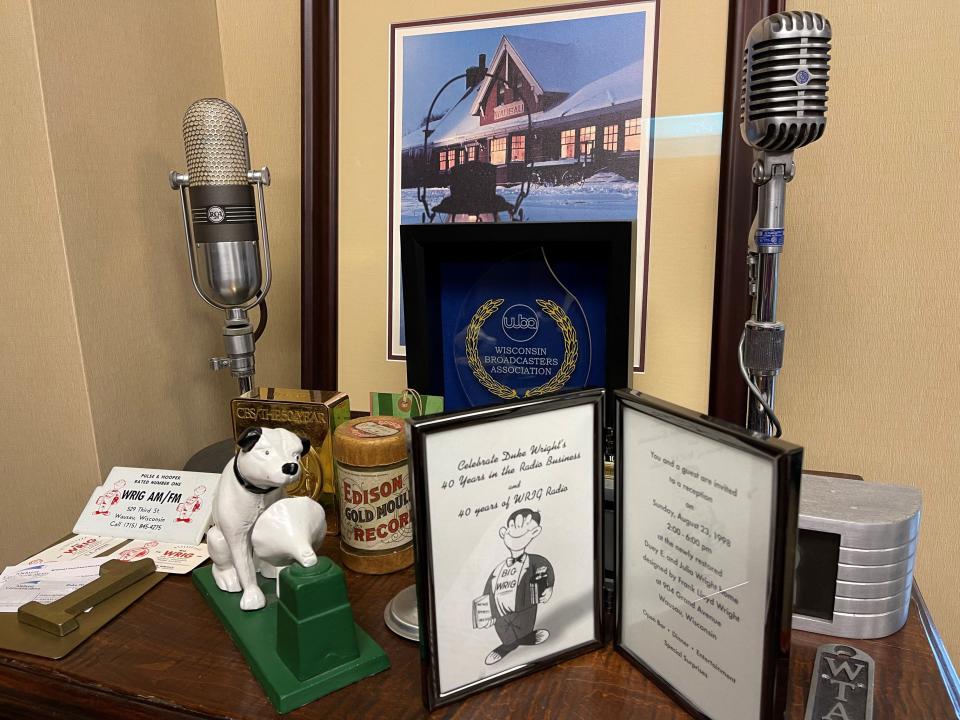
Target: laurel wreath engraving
564	373
570	350
473	356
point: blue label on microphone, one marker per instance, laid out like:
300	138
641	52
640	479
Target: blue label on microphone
769	237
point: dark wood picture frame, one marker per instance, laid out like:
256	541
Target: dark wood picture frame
319	271
423	537
426	247
318	203
787	461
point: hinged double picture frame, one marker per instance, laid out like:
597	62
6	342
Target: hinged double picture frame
509	538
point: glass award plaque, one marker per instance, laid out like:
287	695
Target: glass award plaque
519	331
506	312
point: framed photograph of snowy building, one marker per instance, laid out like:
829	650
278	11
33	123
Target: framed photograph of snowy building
539	115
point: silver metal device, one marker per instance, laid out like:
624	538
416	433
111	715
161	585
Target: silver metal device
786	64
401	615
220	219
875	529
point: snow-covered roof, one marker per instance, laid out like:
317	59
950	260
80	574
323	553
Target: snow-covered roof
548	66
459	126
457	122
554	66
620	87
617	87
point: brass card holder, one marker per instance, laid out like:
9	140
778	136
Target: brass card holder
60	617
54	630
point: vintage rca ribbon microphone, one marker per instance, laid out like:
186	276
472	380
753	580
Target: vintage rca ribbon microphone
220	225
786	64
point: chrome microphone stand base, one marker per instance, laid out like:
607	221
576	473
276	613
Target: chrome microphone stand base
401	615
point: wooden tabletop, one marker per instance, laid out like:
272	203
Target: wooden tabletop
168	657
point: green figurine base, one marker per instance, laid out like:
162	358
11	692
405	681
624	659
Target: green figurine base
304	645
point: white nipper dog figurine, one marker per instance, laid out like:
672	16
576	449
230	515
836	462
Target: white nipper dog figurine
268	459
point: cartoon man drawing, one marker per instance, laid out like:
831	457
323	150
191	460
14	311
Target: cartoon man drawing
188	507
515	588
138	552
109	498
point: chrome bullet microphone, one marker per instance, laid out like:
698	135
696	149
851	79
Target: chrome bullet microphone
786	64
220	218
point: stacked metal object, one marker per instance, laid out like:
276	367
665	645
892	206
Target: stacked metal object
878	527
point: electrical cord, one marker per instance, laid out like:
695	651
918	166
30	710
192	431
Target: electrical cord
262	322
755	391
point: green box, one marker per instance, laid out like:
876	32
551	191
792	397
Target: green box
303	646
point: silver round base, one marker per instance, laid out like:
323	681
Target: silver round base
400	614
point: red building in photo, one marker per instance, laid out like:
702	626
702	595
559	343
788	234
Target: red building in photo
583	118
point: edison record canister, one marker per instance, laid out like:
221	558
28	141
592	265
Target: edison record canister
373	485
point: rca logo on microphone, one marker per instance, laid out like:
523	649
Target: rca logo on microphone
520	323
802	77
215	214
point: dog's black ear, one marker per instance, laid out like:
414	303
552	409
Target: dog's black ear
249	438
306	446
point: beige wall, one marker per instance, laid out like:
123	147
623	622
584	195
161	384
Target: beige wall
109	341
869	292
48	452
683	222
114	115
260	46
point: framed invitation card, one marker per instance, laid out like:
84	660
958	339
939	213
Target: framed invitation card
508	540
707	524
499	312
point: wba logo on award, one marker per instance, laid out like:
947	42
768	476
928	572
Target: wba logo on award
520	323
536	351
531	322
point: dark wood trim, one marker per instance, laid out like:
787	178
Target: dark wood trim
318	207
737	203
640	363
167	658
948	673
828	473
29	697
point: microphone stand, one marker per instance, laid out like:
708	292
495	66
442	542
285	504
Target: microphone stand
761	345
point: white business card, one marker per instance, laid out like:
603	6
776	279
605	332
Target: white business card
45	582
179	558
78	546
172	506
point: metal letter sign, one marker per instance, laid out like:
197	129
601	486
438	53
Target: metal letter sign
842	685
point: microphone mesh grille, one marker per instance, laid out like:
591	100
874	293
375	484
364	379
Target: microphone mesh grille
786	66
215	139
